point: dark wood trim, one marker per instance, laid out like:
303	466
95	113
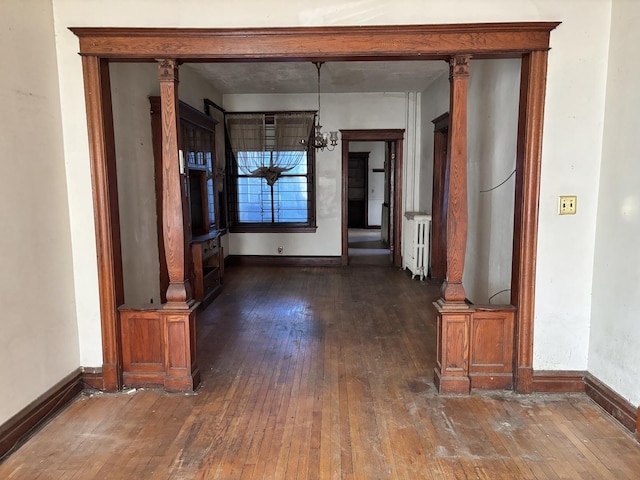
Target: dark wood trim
395	136
612	403
92	377
525	225
283	261
558	381
196	117
418	42
373	135
439	196
22	424
345	200
326	43
395	239
107	219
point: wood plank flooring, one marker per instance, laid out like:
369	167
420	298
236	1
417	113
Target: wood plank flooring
324	373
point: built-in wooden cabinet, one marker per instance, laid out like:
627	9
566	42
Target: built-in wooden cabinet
200	191
208	267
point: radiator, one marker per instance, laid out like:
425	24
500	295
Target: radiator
416	228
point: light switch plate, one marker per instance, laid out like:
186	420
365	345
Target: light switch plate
567	205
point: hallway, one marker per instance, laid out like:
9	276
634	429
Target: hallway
324	373
366	247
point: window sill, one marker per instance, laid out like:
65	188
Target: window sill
273	228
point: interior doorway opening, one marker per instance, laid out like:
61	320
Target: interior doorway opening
368	200
372	196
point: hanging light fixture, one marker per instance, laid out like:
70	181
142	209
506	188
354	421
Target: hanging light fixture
322	140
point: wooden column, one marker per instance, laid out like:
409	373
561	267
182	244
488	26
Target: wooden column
178	319
454	316
179	293
107	219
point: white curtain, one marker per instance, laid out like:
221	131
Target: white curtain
257	157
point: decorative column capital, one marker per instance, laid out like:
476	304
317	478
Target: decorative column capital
459	66
168	70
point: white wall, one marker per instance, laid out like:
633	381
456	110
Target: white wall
614	347
38	327
131	85
494	87
435	102
494	90
339	111
375	180
571	149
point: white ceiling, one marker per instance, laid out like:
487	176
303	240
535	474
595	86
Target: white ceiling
336	77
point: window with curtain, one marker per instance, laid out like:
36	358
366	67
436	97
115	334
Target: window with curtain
271	165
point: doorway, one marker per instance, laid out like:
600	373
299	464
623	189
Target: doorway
530	40
367	186
385	202
358	189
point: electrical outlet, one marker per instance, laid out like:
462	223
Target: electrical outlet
567	205
280	249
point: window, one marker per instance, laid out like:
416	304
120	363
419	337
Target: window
271	181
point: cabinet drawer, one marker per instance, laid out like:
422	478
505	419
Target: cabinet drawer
211	280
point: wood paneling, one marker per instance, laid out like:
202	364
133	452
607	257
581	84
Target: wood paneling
429	42
491	357
159	348
182	372
143	347
18	427
452	353
612	402
474	348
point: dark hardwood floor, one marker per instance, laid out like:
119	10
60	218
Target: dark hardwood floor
324	373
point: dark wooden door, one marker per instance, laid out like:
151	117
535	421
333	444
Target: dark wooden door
357	209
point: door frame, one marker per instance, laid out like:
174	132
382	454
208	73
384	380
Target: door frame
526	40
395	136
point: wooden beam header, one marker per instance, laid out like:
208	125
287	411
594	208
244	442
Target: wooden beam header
428	42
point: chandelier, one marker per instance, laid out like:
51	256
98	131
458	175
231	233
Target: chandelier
322	140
